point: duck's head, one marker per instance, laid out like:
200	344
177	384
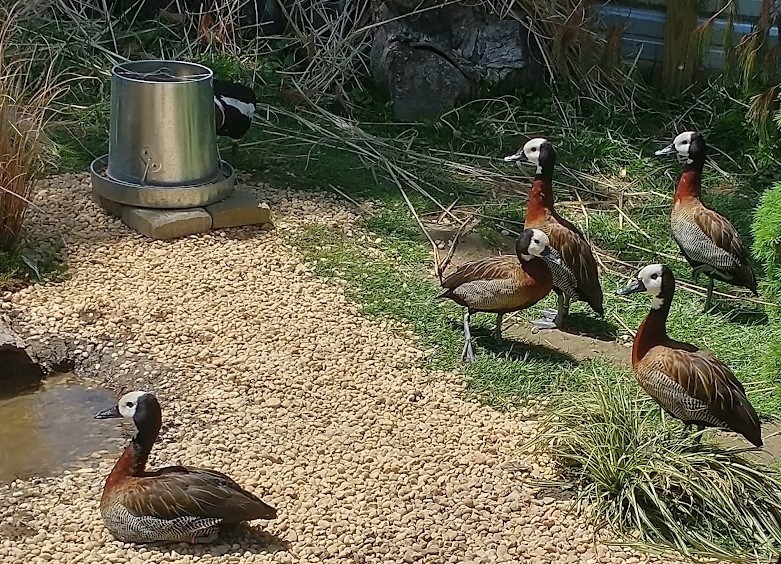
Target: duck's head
689	145
534	243
655	279
142	408
538	151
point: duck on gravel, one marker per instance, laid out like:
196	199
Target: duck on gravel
708	241
502	284
176	503
234	108
576	277
690	384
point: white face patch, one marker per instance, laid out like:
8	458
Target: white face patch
245	108
682	145
127	404
651	277
539	242
532	151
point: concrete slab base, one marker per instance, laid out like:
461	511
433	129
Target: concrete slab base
167	224
239	209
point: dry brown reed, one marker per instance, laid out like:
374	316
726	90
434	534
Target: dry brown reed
24	110
752	62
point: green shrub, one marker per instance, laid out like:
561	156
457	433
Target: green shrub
766	228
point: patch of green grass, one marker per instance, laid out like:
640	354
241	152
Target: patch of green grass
636	475
24	266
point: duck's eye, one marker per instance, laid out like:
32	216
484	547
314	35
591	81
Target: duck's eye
129	404
534	149
654	276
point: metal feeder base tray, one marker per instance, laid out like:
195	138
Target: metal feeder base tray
161	197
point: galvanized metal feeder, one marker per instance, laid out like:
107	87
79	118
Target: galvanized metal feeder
162	139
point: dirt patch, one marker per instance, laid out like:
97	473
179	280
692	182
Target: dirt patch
579	347
9	284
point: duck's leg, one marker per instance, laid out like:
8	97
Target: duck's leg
698	438
550	316
709	295
467	355
498	330
686	430
234	147
563	311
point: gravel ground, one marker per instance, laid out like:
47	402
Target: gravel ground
271	375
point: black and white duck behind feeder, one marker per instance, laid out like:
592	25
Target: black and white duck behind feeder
234	108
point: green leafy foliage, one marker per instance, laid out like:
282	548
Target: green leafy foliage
766	230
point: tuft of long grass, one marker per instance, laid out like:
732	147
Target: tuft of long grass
25	100
635	473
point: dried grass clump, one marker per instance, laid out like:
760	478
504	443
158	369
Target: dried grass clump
574	46
24	103
327	45
752	62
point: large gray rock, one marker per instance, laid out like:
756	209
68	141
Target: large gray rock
431	61
17	368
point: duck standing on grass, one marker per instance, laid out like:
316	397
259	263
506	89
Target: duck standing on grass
689	384
502	284
176	503
708	241
576	277
234	108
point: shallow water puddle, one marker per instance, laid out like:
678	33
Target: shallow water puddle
47	429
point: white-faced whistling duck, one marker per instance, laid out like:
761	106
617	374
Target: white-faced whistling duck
577	277
234	107
175	503
708	241
502	284
688	383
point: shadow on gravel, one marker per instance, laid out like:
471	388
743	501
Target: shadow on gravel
233	541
